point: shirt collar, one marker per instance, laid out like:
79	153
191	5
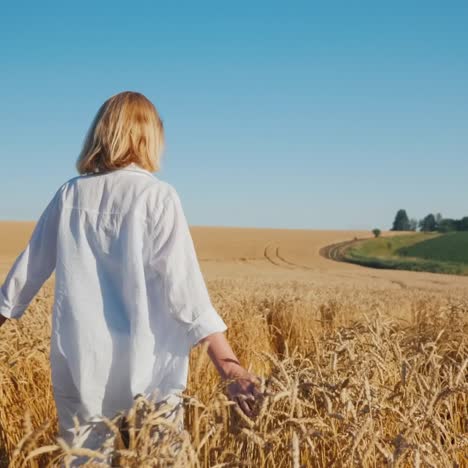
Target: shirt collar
134	167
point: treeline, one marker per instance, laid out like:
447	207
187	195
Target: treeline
429	223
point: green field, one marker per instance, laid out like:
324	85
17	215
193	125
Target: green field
452	247
434	252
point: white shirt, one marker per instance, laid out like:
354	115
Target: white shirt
130	299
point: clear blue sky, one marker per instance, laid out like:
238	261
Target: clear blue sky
277	114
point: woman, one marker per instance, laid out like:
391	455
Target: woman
130	300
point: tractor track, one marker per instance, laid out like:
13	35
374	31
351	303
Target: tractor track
272	254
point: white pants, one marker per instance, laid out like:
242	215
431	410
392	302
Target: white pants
97	436
93	433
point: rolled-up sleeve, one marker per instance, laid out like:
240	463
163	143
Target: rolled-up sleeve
174	258
33	265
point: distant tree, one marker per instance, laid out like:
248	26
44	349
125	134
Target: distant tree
428	223
438	219
447	225
376	232
463	224
401	222
413	224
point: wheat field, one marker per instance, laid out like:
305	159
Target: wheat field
359	367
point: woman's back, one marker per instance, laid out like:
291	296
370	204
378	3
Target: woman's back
130	299
102	326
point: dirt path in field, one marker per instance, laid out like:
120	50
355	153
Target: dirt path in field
336	251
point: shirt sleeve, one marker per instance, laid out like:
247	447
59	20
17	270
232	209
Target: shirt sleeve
175	259
34	264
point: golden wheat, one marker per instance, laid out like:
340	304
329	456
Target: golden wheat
348	377
355	370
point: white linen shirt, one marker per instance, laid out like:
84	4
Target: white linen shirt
130	299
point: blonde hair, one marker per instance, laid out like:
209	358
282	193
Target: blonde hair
127	128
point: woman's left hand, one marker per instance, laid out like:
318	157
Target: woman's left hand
243	389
